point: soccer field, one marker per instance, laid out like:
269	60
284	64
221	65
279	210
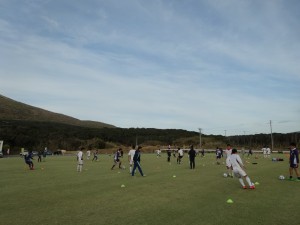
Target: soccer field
54	193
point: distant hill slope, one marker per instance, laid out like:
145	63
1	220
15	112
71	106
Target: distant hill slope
13	110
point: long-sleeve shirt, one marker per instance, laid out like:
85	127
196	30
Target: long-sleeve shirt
192	154
294	156
236	161
137	156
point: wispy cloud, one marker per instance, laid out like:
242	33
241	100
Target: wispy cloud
214	64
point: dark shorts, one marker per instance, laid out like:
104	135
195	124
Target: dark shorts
294	165
117	160
218	157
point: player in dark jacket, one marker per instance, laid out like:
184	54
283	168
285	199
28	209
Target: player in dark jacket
136	161
192	155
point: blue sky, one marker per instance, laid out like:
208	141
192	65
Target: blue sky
217	65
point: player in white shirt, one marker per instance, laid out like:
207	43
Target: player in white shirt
264	151
130	157
88	154
268	152
158	153
238	169
228	151
80	160
180	155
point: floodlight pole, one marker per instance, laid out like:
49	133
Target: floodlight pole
272	142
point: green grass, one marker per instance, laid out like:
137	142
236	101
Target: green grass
58	194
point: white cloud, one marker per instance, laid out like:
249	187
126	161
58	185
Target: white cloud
156	64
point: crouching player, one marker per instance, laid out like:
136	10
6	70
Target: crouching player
28	160
238	169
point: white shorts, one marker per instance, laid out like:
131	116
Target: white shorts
238	172
80	162
228	164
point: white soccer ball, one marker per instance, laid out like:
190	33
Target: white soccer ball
281	177
225	175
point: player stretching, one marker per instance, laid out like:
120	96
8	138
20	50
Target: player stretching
237	167
228	153
130	157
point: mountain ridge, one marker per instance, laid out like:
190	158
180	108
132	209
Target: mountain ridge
11	109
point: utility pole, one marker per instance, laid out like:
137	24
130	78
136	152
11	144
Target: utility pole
200	137
272	142
244	138
225	133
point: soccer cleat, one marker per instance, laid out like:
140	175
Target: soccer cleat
252	187
244	187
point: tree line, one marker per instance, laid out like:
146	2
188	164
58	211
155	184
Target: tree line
35	135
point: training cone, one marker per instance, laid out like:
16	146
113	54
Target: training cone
229	201
256	183
122	186
174	176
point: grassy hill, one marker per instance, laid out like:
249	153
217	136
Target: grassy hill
13	110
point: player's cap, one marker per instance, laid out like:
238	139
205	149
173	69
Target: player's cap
234	151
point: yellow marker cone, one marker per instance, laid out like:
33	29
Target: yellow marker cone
229	201
174	176
256	183
122	186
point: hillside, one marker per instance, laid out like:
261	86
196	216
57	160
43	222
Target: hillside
13	110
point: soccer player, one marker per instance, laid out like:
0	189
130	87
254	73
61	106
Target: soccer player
169	154
80	160
88	154
218	155
28	160
117	159
95	155
228	165
192	155
268	152
130	157
250	152
40	156
264	151
158	153
294	161
136	161
180	155
238	167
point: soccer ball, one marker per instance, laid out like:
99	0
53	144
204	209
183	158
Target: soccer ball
225	175
281	177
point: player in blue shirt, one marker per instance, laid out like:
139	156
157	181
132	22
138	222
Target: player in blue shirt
294	161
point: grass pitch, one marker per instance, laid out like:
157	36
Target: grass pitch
54	193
